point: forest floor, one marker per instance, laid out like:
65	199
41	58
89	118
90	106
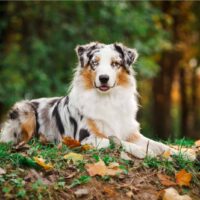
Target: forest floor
37	171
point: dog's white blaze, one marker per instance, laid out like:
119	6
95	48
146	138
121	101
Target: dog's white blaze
106	56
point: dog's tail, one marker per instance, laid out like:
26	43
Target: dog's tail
20	125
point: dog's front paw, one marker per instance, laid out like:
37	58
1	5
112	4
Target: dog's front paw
186	153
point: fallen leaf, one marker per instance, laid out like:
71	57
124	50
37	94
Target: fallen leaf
2	171
101	169
41	162
113	169
172	194
183	178
71	143
165	180
166	154
86	147
75	157
98	168
109	190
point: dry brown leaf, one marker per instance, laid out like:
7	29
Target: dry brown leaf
172	194
109	190
165	180
71	143
183	178
41	162
101	169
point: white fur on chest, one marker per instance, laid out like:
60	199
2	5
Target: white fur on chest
114	113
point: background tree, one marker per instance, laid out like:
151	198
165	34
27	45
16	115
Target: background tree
37	41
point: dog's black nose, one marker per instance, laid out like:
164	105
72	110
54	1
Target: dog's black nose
104	78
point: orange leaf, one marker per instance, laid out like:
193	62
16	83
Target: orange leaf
41	162
98	168
109	190
101	169
71	143
165	180
183	178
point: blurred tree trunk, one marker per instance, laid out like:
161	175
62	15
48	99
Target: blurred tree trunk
162	86
195	107
170	62
186	69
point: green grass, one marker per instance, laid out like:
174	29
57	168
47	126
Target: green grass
18	163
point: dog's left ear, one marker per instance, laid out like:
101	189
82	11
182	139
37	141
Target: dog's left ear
84	51
129	55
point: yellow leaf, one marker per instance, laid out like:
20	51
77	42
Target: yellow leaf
71	143
41	162
166	154
74	157
86	147
183	178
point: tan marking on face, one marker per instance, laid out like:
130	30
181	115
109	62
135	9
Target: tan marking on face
94	129
123	78
88	78
133	137
28	128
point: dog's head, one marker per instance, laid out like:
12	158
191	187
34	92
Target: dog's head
105	66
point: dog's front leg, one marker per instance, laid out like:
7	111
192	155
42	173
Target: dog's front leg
157	148
131	148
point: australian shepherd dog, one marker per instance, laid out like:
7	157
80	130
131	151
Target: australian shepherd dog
102	102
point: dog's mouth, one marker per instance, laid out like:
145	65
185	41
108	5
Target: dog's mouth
104	88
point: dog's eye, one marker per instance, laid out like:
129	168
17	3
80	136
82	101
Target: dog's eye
116	64
94	64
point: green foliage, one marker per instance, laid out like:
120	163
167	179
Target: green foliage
38	56
177	163
81	180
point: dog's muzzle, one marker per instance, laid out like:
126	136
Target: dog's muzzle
103	79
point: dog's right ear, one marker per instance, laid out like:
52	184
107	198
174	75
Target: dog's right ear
84	52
